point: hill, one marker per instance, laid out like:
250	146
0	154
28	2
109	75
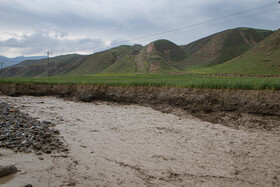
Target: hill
119	59
221	47
12	61
161	56
263	59
38	68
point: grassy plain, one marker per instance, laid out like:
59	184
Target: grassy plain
170	80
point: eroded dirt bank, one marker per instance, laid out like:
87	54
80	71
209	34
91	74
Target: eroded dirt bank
131	145
250	109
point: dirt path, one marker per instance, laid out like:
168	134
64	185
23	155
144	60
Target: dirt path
140	62
130	145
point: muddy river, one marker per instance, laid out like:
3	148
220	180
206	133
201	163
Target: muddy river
130	145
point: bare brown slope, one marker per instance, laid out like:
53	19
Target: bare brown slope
235	108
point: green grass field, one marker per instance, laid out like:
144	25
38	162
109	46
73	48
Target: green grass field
170	80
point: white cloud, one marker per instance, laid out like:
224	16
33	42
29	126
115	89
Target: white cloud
40	41
79	25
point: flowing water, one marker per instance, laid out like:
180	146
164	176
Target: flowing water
130	145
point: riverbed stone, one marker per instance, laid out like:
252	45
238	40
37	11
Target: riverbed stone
7	170
22	133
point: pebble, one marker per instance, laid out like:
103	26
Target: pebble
22	133
41	158
71	183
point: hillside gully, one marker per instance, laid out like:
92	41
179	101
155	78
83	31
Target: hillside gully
74	135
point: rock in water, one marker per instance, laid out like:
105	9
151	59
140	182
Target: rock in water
7	170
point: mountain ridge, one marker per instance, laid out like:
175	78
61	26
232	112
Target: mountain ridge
222	46
262	59
160	56
15	60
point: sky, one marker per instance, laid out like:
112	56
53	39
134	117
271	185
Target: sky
32	27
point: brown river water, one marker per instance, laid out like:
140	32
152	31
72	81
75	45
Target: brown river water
130	145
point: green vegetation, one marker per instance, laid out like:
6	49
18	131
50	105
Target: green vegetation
221	47
170	80
169	50
93	64
123	65
235	51
99	62
38	68
63	59
263	59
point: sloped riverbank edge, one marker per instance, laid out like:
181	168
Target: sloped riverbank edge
250	109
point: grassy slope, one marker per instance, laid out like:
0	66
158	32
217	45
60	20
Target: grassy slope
165	56
102	61
169	50
93	64
221	47
59	59
37	68
162	55
123	65
159	59
263	59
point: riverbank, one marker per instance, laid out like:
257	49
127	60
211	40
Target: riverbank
249	109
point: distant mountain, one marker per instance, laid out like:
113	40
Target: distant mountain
165	56
38	68
12	61
161	56
263	59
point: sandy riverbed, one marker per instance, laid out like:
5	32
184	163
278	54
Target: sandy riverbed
130	145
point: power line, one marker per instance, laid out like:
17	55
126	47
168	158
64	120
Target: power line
208	21
204	22
241	18
2	63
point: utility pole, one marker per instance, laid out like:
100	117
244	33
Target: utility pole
2	63
48	63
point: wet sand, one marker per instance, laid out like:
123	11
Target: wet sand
131	145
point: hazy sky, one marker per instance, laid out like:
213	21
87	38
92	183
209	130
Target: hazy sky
30	27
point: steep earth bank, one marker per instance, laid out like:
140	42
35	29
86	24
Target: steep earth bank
249	109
